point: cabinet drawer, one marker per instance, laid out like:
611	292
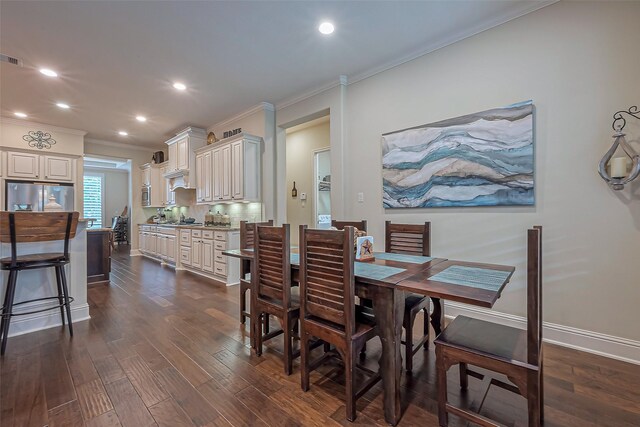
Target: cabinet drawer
220	235
196	233
185	237
185	255
168	231
218	257
207	234
221	269
220	246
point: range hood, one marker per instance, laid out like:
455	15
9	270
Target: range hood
179	179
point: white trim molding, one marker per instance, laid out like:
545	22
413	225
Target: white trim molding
618	348
255	109
147	148
27	123
45	320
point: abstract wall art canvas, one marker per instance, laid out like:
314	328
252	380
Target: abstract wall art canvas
481	159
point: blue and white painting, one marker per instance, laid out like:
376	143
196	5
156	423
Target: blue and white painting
482	159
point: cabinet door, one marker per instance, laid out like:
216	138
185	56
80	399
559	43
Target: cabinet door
200	178
185	255
170	245
161	246
196	253
141	241
207	255
237	171
208	177
146	176
183	153
173	157
23	165
226	173
170	196
58	168
217	173
153	243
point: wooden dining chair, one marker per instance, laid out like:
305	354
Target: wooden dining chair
34	227
513	352
340	225
247	242
411	239
273	288
328	310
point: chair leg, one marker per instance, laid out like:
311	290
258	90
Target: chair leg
327	347
63	276
408	342
541	390
533	399
288	351
363	350
266	323
258	332
443	417
4	304
60	293
243	305
350	391
11	292
304	360
464	377
426	326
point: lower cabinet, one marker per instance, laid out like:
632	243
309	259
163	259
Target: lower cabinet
158	242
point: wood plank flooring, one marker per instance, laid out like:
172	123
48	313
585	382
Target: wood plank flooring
167	349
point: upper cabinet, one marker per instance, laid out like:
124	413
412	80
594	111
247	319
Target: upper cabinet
40	166
229	170
156	183
182	157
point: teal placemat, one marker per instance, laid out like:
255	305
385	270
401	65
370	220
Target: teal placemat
375	271
483	278
414	259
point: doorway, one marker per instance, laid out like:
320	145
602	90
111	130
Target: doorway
308	175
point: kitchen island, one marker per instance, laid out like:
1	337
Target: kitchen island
42	283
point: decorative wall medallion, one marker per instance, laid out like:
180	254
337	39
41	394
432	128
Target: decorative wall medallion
38	139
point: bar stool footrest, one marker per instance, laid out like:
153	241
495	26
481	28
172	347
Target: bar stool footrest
2	314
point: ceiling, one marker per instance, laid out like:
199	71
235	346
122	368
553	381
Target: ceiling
116	60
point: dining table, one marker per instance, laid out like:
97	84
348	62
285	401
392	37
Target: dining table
388	278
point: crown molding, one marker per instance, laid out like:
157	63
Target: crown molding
464	34
309	94
255	109
123	145
27	123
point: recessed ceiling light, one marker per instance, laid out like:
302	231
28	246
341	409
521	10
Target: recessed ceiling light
179	86
21	115
326	28
63	105
49	73
123	133
141	118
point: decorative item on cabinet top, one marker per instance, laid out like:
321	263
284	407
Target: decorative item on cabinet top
619	173
211	138
39	139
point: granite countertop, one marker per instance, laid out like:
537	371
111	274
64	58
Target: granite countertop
196	227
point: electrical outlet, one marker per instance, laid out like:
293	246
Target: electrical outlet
360	197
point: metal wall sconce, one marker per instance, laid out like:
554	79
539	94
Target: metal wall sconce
619	175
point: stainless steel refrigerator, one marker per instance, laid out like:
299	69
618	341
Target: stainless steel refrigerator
25	195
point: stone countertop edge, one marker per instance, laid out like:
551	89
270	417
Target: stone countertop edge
197	227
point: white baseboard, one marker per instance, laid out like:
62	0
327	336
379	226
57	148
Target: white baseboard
611	346
135	252
45	320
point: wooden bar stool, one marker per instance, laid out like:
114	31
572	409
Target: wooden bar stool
30	227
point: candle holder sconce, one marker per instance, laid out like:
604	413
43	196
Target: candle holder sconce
619	174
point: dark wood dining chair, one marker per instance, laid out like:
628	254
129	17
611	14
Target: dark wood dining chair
411	239
328	309
513	352
273	288
32	227
340	225
247	242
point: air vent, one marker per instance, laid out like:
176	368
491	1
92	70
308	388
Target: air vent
10	60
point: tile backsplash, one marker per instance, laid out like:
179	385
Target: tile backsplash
237	211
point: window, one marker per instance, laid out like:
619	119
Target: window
94	198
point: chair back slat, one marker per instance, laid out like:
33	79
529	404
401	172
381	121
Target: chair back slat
534	295
326	276
340	225
273	265
38	226
411	239
247	240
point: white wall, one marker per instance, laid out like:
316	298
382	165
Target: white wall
300	155
579	63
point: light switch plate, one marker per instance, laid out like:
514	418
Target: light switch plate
360	197
303	196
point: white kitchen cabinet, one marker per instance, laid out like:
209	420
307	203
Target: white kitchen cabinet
183	154
173	158
225	172
207	255
152	176
204	178
237	170
58	168
185	255
182	161
146	174
171	249
216	156
23	165
196	253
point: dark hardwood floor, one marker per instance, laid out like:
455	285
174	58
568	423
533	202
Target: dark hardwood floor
167	349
